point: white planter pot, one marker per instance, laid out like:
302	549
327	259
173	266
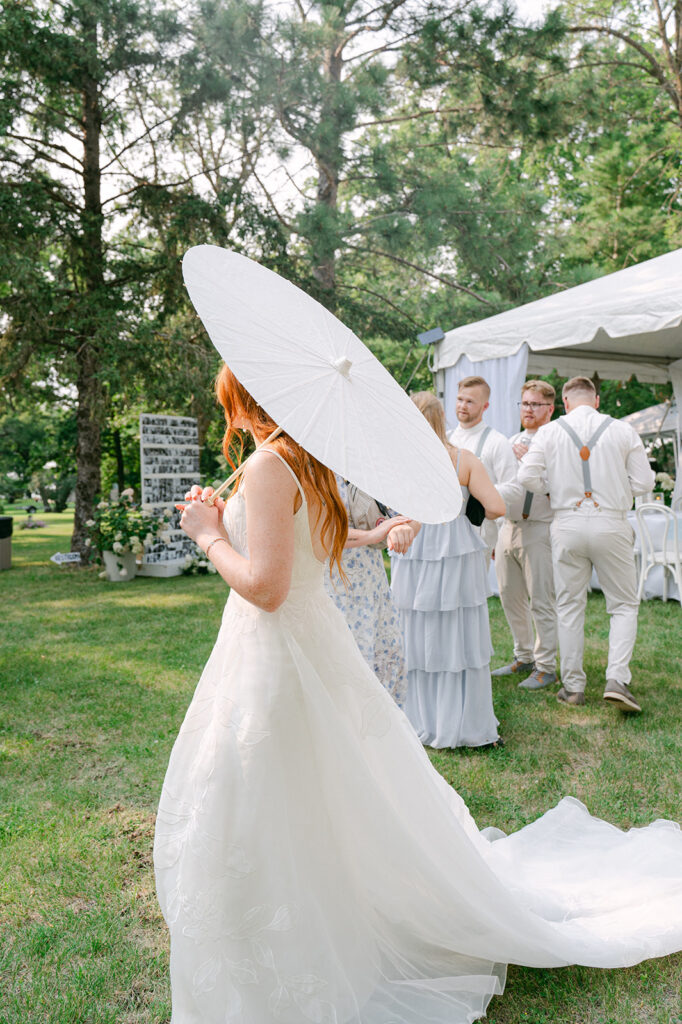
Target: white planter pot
119	568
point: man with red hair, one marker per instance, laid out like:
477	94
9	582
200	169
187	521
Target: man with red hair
592	466
523	559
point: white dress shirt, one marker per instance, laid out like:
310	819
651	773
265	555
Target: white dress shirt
497	457
618	464
540	510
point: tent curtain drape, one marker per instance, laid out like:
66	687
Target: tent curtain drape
676	378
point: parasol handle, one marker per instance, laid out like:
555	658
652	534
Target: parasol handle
216	494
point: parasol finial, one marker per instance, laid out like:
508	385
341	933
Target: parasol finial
343	365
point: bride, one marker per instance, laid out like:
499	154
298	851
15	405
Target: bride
311	864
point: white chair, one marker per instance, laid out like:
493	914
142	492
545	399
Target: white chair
663	550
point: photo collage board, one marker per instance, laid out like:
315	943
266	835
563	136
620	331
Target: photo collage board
169	465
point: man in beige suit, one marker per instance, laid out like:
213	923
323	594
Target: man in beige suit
523	559
592	466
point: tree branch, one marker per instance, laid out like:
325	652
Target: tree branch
655	68
420	270
35	144
271	202
145	134
382	298
419	114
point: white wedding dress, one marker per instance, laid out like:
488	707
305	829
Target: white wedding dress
312	866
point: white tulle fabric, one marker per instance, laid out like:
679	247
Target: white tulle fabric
313	867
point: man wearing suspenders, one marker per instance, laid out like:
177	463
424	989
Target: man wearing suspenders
523	559
487	444
592	466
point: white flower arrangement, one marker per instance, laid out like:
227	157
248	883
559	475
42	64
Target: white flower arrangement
197	565
119	526
666	481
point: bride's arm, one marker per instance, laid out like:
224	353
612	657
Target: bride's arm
264	577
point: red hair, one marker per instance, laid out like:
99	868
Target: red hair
318	482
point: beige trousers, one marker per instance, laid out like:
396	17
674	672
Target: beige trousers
582	539
523	563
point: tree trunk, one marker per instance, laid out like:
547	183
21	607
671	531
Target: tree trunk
90	393
118	455
88	446
328	160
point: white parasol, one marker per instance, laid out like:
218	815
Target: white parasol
318	381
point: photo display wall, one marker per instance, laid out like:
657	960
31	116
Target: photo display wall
169	465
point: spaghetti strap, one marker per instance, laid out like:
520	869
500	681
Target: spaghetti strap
285	463
459	452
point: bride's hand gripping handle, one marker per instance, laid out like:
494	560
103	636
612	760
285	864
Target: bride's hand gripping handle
200	521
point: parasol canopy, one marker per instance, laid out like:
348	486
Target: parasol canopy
318	381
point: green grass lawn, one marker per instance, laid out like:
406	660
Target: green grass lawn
94	681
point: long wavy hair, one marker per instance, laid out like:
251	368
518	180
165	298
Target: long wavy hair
431	408
318	482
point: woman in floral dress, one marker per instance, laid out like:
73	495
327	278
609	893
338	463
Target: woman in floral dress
365	599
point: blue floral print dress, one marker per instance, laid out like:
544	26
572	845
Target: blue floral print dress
368	608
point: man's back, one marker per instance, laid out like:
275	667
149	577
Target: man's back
618	465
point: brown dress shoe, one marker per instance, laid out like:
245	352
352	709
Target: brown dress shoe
620	695
567	697
516	668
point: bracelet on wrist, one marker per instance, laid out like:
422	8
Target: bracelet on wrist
214	541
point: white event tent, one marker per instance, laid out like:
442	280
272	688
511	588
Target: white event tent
655	421
628	322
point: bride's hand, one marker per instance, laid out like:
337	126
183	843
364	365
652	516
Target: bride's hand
199	494
201	522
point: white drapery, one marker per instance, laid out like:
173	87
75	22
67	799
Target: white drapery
676	378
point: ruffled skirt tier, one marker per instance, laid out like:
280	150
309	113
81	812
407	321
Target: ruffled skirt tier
440	589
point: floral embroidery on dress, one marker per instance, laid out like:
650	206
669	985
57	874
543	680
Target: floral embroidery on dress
207	924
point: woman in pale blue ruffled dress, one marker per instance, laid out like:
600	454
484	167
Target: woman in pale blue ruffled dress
365	596
440	588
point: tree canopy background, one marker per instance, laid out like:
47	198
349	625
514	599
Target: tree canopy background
408	162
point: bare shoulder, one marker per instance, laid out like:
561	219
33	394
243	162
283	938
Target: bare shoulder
267	473
466	461
466	458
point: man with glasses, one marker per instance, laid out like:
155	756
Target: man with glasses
592	466
487	444
523	559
